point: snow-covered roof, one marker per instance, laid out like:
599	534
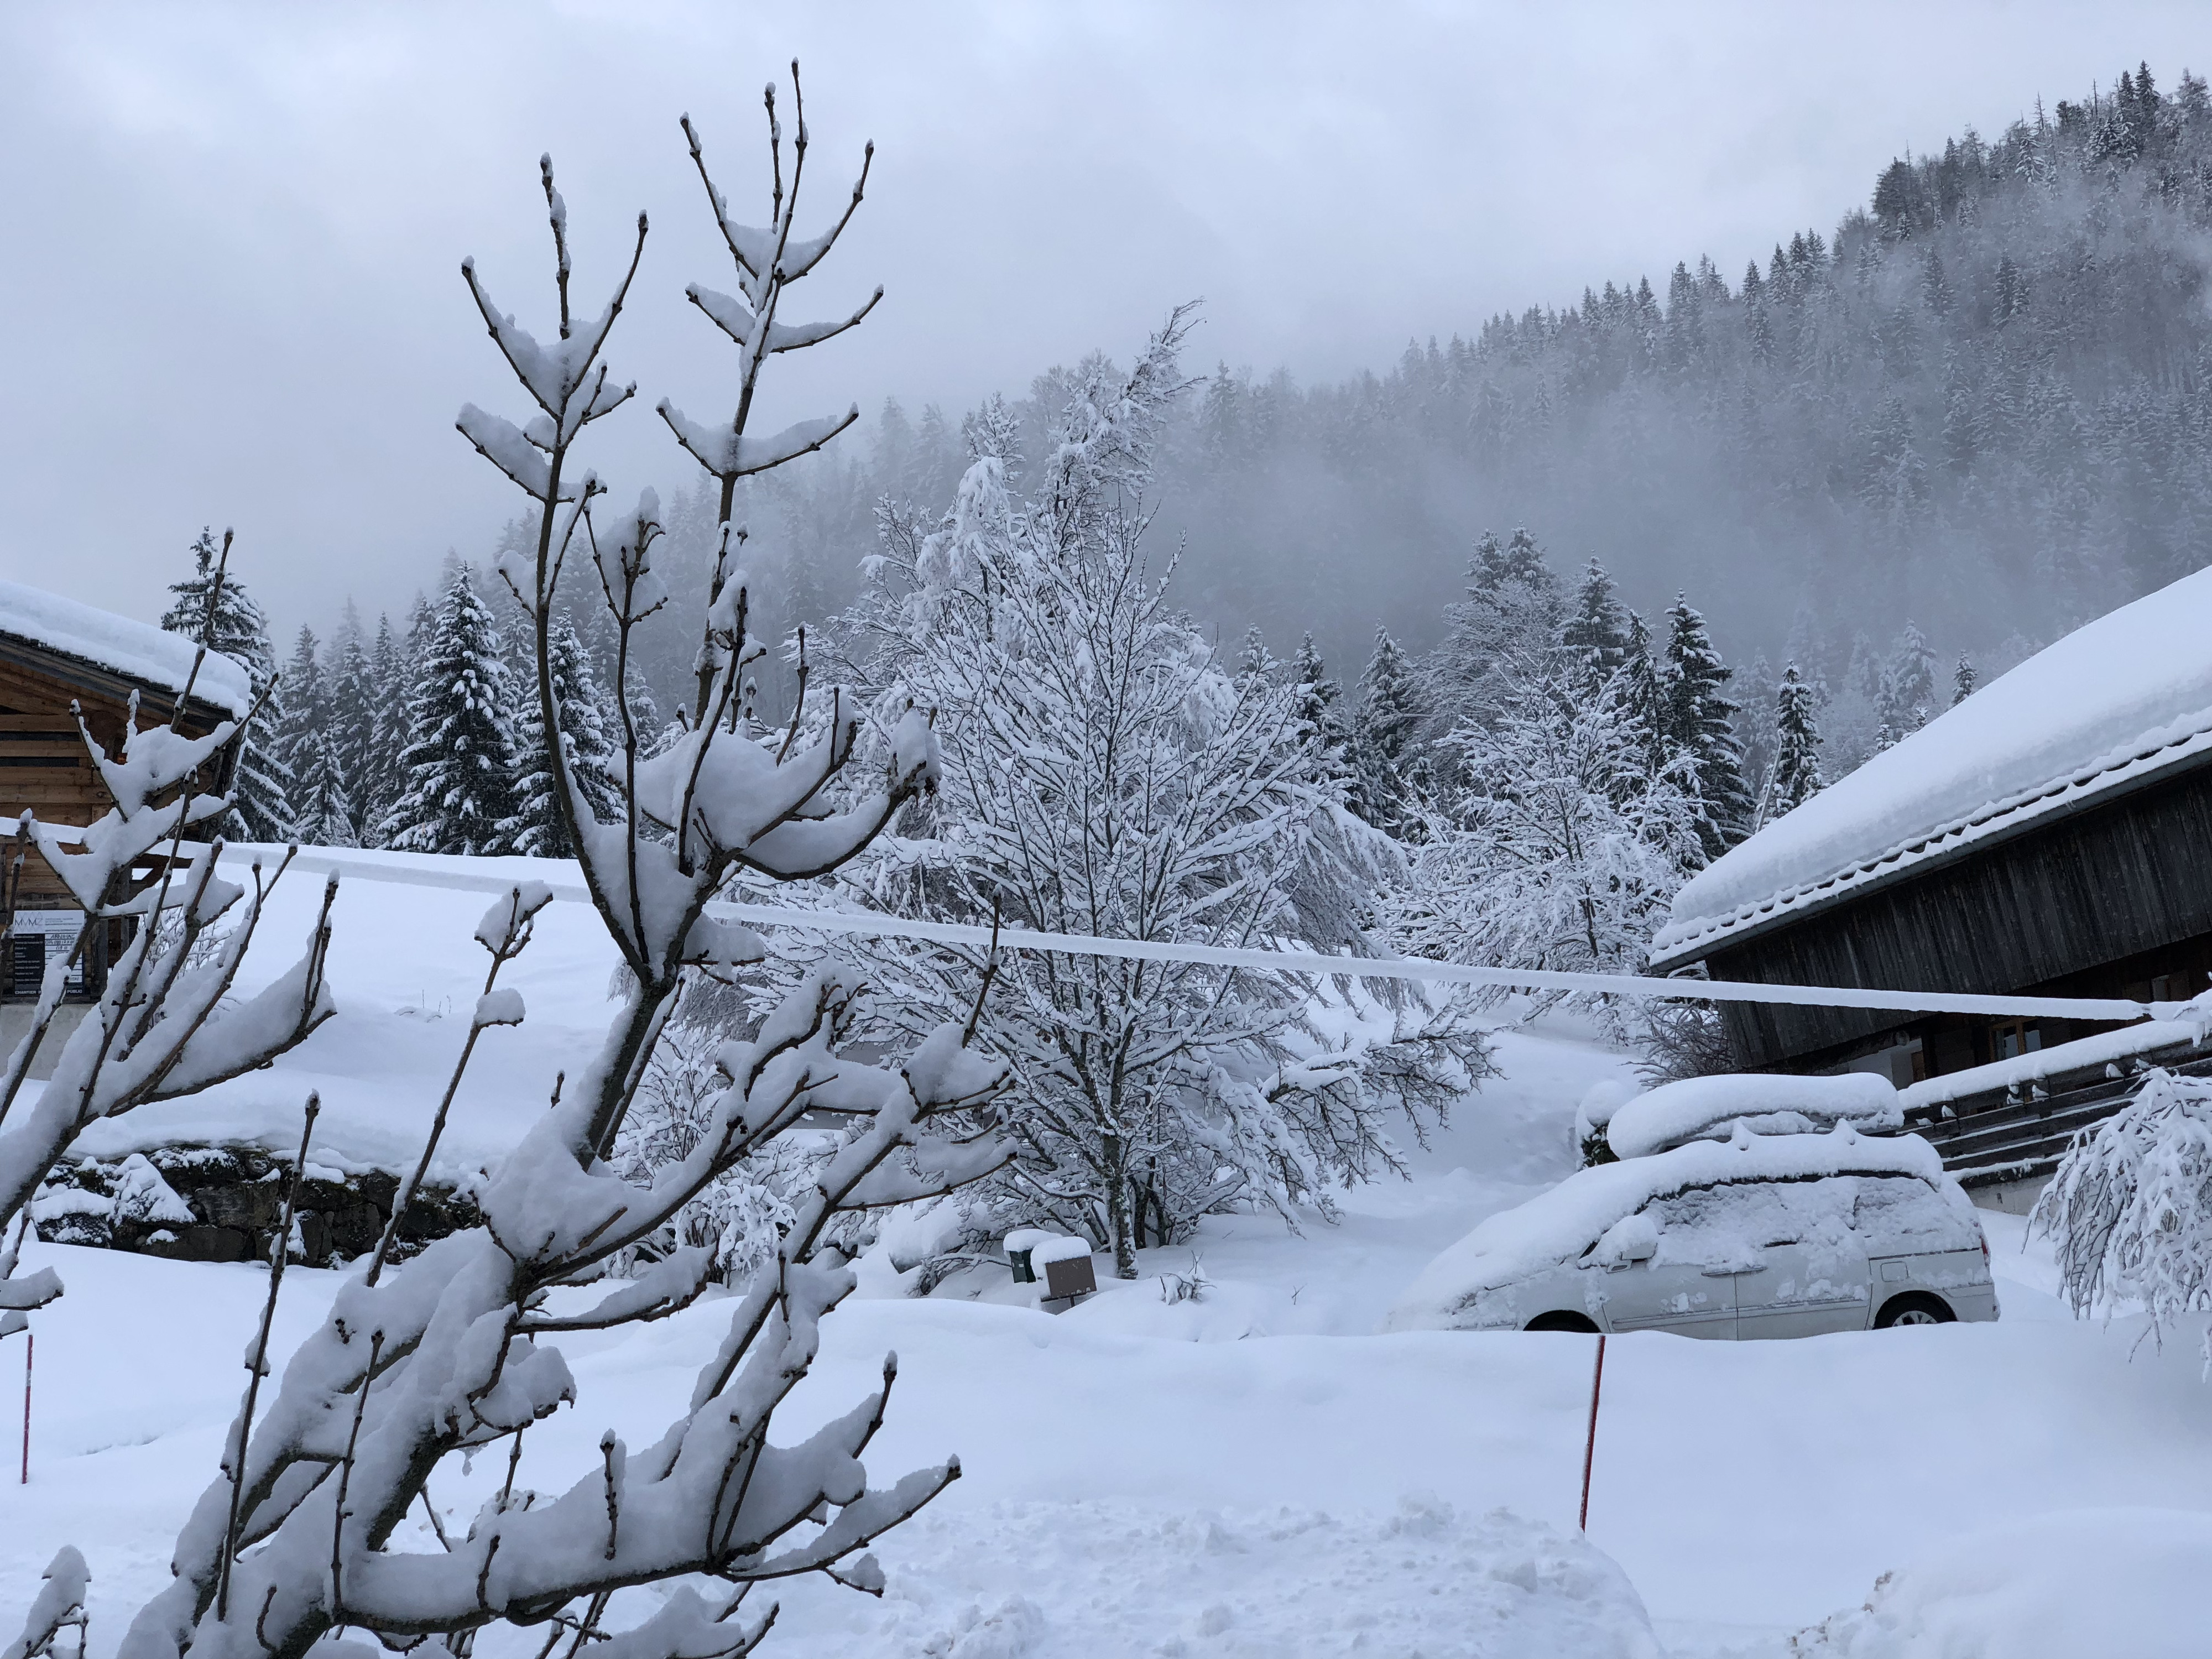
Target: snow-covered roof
2115	703
135	650
1559	1225
1767	1103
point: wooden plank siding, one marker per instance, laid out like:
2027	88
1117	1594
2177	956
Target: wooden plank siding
44	766
2062	902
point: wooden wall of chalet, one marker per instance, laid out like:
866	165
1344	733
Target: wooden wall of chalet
2121	875
43	762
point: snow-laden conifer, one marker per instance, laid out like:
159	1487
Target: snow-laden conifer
1700	727
1384	727
1796	746
586	734
349	682
382	780
460	763
234	626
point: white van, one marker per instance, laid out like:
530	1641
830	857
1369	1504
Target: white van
1758	1236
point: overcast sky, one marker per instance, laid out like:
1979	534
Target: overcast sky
229	265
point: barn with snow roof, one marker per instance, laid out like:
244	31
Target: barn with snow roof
2050	836
57	654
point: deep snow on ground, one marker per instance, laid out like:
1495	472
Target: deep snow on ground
1253	1473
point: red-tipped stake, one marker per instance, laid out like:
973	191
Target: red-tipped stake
1590	1444
29	1339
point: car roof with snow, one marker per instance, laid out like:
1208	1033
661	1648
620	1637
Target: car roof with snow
1559	1225
1767	1102
119	646
2118	702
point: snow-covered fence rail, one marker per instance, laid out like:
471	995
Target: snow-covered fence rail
492	880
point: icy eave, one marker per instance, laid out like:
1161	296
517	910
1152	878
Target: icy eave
2119	704
134	651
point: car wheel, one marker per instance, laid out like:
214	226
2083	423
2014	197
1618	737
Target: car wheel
1916	1308
1562	1321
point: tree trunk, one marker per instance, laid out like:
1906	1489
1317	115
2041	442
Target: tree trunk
1117	1211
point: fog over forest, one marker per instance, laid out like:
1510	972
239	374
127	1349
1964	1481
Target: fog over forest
1980	403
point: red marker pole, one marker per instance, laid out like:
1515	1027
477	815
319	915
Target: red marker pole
28	1340
1590	1444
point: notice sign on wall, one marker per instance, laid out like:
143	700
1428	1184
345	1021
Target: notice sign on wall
36	937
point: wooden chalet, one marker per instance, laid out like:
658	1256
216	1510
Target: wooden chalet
2051	835
57	654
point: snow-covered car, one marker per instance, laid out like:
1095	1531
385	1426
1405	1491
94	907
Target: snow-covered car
1756	1236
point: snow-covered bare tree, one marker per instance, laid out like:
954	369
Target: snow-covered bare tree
1108	775
1560	850
2129	1210
452	1350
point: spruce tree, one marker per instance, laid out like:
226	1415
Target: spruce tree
587	738
238	630
1316	703
1908	685
1796	746
1595	633
380	782
306	711
1383	732
1699	724
320	799
1643	697
459	766
1963	680
351	696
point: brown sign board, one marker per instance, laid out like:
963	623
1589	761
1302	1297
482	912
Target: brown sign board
1071	1278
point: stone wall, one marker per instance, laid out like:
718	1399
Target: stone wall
224	1204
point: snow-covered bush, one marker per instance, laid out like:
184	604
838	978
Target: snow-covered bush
1107	774
2129	1209
452	1350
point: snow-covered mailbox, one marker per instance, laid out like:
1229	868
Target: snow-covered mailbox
2051	834
1064	1262
55	652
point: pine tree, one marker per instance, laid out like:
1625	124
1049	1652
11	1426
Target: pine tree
1595	633
1643	697
352	700
320	799
1796	746
588	740
1382	734
306	710
1317	702
239	630
381	782
1963	679
1908	685
459	766
1700	725
1254	660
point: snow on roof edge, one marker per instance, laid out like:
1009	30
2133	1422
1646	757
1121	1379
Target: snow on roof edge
2122	702
119	645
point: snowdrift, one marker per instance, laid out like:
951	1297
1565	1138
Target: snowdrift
2058	1586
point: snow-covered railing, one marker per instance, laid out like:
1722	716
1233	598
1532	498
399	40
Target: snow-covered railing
361	867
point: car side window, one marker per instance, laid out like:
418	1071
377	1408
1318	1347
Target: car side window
1719	1229
1900	1215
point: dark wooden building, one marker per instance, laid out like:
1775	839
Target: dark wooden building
2050	836
58	655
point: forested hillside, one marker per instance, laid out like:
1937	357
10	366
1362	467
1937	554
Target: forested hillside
1983	403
